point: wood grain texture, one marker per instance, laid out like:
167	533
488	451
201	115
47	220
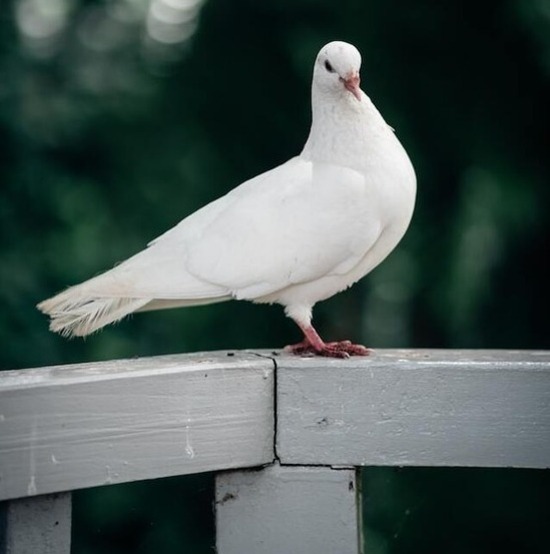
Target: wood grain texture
287	510
416	408
70	427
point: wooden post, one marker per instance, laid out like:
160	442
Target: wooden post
288	510
37	525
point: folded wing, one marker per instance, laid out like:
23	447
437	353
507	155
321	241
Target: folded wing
283	227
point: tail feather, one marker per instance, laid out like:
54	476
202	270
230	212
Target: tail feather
74	314
134	285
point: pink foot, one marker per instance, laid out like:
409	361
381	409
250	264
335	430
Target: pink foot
313	345
350	348
341	349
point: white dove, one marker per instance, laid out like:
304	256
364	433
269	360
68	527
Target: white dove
294	235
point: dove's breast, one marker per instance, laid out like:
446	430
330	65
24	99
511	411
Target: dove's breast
372	213
391	188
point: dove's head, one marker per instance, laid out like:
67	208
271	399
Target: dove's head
336	69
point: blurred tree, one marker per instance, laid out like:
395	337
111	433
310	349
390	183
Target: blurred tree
120	117
164	516
455	510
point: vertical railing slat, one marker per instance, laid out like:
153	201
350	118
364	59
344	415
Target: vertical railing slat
286	510
37	525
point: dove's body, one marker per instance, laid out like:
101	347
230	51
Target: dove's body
294	235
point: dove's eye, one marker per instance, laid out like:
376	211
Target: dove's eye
329	67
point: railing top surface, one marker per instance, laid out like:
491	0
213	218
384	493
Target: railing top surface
417	408
70	427
76	426
403	358
463	359
130	368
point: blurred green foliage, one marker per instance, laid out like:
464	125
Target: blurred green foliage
164	516
455	511
120	117
110	137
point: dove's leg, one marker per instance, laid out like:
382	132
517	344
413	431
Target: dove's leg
313	345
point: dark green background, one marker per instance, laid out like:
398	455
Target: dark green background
108	138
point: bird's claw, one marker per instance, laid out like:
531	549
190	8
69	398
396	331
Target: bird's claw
340	349
346	349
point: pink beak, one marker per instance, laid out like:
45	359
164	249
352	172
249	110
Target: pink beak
352	84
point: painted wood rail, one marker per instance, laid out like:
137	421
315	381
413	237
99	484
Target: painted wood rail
304	424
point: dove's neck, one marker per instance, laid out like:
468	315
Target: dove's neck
345	131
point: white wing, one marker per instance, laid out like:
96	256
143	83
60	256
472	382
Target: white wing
293	224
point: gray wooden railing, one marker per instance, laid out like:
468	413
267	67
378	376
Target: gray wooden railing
303	425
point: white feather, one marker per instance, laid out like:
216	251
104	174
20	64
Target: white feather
294	235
